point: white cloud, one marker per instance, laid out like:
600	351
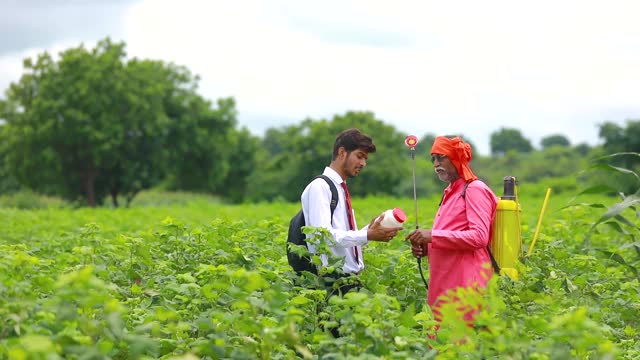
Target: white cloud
424	66
44	23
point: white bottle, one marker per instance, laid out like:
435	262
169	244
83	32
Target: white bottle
393	218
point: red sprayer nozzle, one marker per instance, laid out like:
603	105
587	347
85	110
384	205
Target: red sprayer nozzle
411	141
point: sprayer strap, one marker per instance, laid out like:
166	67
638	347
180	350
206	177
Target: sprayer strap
494	263
463	194
496	268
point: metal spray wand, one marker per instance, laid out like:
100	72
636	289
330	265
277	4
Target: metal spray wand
411	141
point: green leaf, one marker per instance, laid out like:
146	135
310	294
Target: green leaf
186	277
355	298
597	189
625	221
612	168
299	300
616	226
634	245
422	316
568	285
591	205
617	208
37	343
407	317
616	155
626	246
619	259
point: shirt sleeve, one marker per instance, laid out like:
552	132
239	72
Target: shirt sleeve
480	209
319	215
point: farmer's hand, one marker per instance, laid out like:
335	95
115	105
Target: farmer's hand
377	232
419	239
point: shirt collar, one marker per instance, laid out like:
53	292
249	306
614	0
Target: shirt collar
333	175
454	186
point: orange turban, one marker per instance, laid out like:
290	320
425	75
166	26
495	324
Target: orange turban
458	152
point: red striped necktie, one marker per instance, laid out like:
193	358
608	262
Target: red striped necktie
352	222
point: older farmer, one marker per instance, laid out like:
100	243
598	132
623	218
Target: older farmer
457	243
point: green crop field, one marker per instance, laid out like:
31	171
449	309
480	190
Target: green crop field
206	280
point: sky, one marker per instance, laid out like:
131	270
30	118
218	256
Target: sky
441	67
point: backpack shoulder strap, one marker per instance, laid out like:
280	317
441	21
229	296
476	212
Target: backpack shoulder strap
494	263
334	192
464	192
464	189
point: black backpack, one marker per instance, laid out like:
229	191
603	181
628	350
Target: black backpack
297	237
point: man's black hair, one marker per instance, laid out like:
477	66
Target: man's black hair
353	139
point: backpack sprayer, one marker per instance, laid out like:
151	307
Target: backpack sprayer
506	240
411	141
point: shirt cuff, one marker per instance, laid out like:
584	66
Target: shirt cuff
435	237
361	236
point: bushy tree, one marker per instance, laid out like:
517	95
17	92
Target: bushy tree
554	140
243	159
93	124
618	139
199	159
582	148
293	155
8	182
507	139
424	143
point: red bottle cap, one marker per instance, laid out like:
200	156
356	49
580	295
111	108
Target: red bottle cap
399	215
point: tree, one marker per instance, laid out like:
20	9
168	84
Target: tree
199	160
554	140
93	124
277	164
614	136
136	157
243	161
582	148
507	139
424	144
295	154
619	139
389	166
8	182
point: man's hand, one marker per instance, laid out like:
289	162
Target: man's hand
377	232
419	239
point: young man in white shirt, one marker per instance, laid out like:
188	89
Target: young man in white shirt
350	153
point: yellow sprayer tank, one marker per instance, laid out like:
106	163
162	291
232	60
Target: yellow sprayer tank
506	242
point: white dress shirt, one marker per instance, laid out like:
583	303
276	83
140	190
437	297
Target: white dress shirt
316	206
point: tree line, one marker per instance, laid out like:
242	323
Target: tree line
94	126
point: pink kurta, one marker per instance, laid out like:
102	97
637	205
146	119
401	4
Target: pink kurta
458	255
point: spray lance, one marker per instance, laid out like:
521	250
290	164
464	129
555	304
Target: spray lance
411	141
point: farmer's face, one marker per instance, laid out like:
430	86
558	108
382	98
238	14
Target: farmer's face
444	168
354	162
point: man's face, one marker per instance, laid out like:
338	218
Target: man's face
354	162
444	168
